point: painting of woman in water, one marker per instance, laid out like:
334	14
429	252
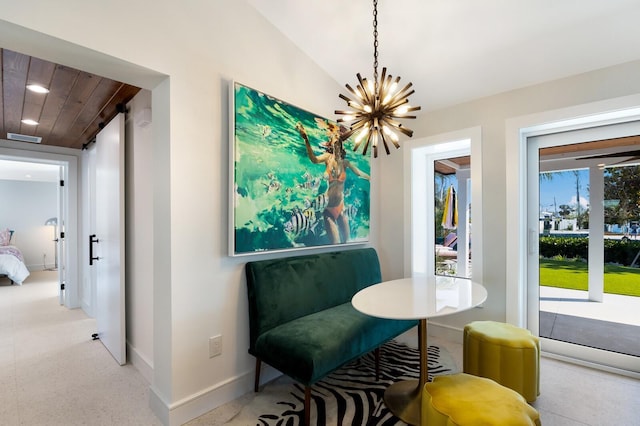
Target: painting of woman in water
336	165
286	194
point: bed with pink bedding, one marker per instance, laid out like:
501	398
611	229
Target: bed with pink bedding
11	260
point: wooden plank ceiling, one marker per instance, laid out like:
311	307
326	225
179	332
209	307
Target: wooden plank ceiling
71	114
611	151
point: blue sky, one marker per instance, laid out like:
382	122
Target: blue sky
562	186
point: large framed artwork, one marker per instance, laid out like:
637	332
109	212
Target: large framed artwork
295	183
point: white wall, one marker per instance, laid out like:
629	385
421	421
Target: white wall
25	207
186	53
491	114
139	235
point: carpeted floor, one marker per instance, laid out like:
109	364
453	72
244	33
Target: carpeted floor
349	396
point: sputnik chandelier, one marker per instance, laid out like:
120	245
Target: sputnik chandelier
377	105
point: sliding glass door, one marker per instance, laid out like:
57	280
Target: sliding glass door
581	295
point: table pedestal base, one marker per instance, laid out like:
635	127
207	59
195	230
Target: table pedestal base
404	400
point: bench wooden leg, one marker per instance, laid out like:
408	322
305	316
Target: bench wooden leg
256	385
376	353
307	403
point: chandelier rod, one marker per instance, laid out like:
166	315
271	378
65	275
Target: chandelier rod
375	46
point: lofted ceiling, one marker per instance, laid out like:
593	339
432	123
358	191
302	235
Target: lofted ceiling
70	115
456	51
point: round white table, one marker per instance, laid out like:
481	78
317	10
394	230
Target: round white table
416	298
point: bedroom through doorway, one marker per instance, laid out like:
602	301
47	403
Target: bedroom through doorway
35	218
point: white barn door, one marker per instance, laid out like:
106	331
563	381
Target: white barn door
108	245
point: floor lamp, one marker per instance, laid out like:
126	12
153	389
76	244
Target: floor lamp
54	222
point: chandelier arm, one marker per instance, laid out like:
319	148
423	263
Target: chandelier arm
386	92
384	142
345	112
395	81
359	124
345	98
392	107
414	108
364	94
408	107
348	134
353	92
398	126
403	116
367	143
401	95
362	88
357	144
382	78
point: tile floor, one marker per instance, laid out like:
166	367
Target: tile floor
51	373
571	395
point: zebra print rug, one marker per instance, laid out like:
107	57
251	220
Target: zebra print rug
349	396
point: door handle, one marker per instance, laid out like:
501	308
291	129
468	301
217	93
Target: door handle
532	241
92	239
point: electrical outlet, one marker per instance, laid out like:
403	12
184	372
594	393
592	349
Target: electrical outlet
215	346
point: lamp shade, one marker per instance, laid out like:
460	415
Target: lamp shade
53	221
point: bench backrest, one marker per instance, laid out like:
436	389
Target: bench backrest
281	290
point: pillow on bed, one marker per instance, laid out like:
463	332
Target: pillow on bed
5	237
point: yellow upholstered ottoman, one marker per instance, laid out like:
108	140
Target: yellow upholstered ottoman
462	399
508	354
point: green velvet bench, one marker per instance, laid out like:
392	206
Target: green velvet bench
301	320
466	400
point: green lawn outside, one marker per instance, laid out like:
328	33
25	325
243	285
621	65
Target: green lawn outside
573	275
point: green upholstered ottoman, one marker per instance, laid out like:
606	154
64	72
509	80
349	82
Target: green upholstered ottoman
462	399
508	354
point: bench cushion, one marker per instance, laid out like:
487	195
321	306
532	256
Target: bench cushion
311	347
282	290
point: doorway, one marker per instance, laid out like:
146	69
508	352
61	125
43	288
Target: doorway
65	219
455	151
568	305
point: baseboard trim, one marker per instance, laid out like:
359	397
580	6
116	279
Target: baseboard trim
195	405
140	363
159	406
447	332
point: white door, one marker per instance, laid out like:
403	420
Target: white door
109	237
561	162
60	261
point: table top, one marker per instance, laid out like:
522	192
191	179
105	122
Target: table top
419	297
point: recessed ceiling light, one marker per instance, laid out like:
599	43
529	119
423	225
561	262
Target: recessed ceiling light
30	122
37	88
